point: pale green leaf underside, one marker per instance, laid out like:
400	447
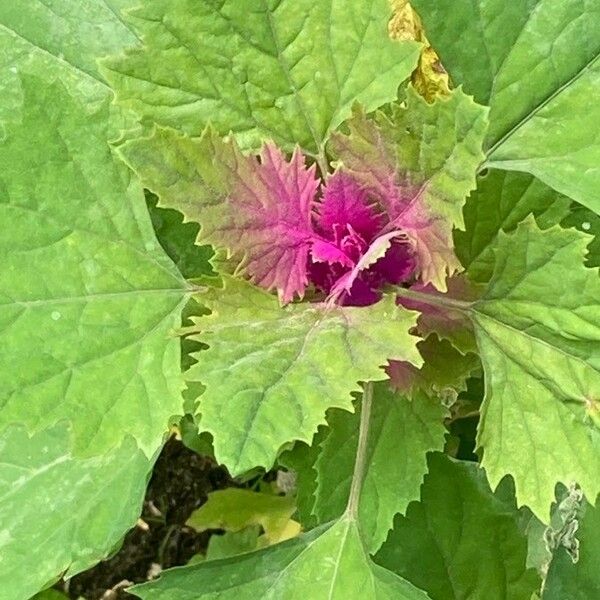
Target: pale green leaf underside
289	70
271	372
538	331
326	564
41	483
461	540
88	297
500	202
535	62
399	427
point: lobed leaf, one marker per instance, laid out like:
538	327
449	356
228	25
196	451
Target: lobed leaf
259	211
501	201
538	331
402	427
104	298
288	70
272	372
420	165
461	540
41	482
535	62
322	564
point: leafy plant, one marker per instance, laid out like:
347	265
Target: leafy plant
370	247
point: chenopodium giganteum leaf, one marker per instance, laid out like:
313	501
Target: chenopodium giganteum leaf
383	217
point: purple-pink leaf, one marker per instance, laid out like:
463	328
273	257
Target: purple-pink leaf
267	218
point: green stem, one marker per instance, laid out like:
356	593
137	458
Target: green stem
361	452
433	299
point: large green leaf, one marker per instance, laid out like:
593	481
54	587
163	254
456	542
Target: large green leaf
461	540
500	202
538	330
61	513
286	69
399	427
535	62
88	297
328	563
59	38
577	580
271	372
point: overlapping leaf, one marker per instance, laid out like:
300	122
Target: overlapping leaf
461	540
500	202
323	564
61	513
83	281
420	164
399	427
538	330
272	372
535	62
289	70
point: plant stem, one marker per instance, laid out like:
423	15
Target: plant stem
361	451
433	299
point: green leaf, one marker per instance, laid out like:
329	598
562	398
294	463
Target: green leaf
535	62
54	38
235	509
272	372
461	540
500	202
300	460
231	543
178	240
538	326
61	513
580	580
588	222
289	70
420	164
444	372
83	281
58	28
401	431
324	564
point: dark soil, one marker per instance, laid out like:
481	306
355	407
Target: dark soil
180	482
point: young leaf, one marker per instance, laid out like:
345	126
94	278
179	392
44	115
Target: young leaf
445	369
104	298
420	166
461	540
538	330
401	431
289	70
261	211
272	372
500	202
577	580
535	62
234	509
61	513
